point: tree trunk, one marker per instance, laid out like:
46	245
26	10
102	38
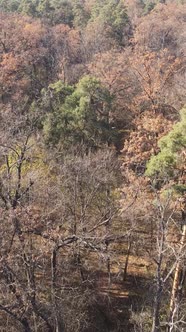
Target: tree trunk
157	303
54	291
159	281
176	281
127	258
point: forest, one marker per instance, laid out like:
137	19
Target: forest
93	165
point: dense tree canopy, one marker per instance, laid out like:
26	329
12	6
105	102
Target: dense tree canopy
92	165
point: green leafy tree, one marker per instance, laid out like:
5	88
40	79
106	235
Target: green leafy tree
63	12
170	161
79	115
112	14
9	5
81	16
45	9
28	7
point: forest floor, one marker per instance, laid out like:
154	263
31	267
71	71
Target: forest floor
126	297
